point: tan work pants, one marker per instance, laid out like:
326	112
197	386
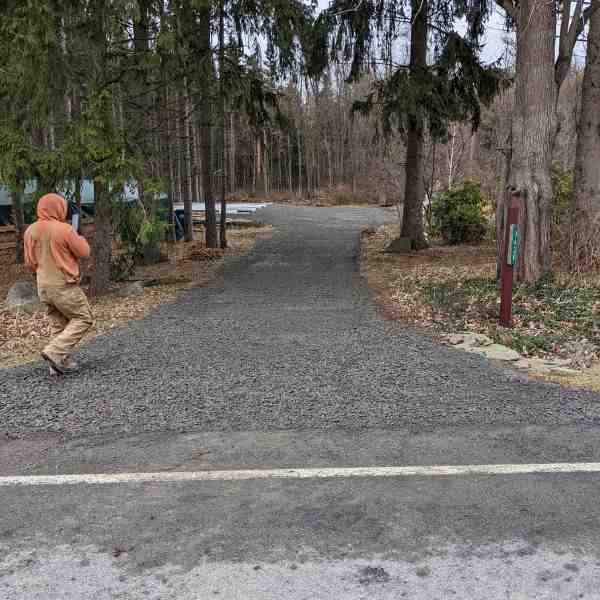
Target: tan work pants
70	318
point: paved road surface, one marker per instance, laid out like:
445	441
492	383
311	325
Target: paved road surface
285	364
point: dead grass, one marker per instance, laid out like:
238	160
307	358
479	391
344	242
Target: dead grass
22	336
338	195
588	379
451	289
398	278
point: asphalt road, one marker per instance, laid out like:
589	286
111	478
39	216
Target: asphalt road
284	363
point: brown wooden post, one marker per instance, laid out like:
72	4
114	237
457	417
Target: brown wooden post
509	258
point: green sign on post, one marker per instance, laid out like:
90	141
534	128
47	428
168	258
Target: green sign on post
513	246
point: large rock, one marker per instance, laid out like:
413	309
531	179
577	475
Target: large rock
133	289
22	297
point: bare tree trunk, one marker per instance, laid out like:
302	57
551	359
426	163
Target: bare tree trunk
289	151
78	181
102	242
299	164
223	227
353	162
168	149
329	163
412	225
207	77
254	169
451	153
259	171
474	151
139	116
501	207
534	129
265	163
18	218
232	156
185	164
587	159
279	164
540	72
198	192
177	150
189	171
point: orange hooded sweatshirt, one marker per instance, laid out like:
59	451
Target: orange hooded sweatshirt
52	247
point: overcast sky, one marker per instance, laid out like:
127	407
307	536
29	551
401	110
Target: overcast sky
494	46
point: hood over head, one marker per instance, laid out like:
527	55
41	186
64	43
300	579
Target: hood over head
52	207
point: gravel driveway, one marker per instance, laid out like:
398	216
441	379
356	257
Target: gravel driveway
288	339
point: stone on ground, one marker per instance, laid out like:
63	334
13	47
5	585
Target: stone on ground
478	343
554	366
23	297
494	352
469	339
133	289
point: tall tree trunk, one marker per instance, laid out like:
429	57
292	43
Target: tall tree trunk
265	163
223	227
102	242
279	164
534	129
299	164
185	164
587	158
289	157
232	154
258	153
207	76
168	156
198	193
412	223
18	218
78	182
474	152
501	205
140	114
177	150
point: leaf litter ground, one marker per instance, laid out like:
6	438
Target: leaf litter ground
445	290
23	336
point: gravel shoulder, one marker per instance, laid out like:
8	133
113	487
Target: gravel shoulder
288	338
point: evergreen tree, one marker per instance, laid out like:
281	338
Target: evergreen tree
433	89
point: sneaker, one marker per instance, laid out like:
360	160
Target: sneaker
69	365
55	365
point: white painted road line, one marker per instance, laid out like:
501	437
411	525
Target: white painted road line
324	473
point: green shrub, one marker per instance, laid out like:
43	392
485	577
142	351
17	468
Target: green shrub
139	236
458	214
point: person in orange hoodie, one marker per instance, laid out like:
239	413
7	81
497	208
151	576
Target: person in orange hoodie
53	249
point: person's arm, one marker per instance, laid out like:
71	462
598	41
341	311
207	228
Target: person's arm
78	244
29	247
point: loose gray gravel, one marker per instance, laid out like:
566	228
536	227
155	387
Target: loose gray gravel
288	339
